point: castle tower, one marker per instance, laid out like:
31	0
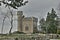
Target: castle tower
19	16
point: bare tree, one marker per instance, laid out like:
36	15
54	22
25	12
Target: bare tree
11	20
5	16
14	4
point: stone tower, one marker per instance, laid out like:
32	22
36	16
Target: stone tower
26	24
19	16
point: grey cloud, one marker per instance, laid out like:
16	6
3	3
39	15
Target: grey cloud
37	8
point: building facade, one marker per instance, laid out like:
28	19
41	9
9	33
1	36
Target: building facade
26	24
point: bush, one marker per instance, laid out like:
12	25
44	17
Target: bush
17	32
58	31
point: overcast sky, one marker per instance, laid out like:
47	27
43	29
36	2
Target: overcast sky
36	8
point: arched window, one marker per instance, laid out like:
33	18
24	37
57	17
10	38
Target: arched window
26	28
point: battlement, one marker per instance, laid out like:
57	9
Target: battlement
19	12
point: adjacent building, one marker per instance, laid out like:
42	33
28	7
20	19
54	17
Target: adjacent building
26	24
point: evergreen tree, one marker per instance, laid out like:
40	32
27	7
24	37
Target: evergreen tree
13	3
52	22
42	24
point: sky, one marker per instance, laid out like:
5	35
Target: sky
36	8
